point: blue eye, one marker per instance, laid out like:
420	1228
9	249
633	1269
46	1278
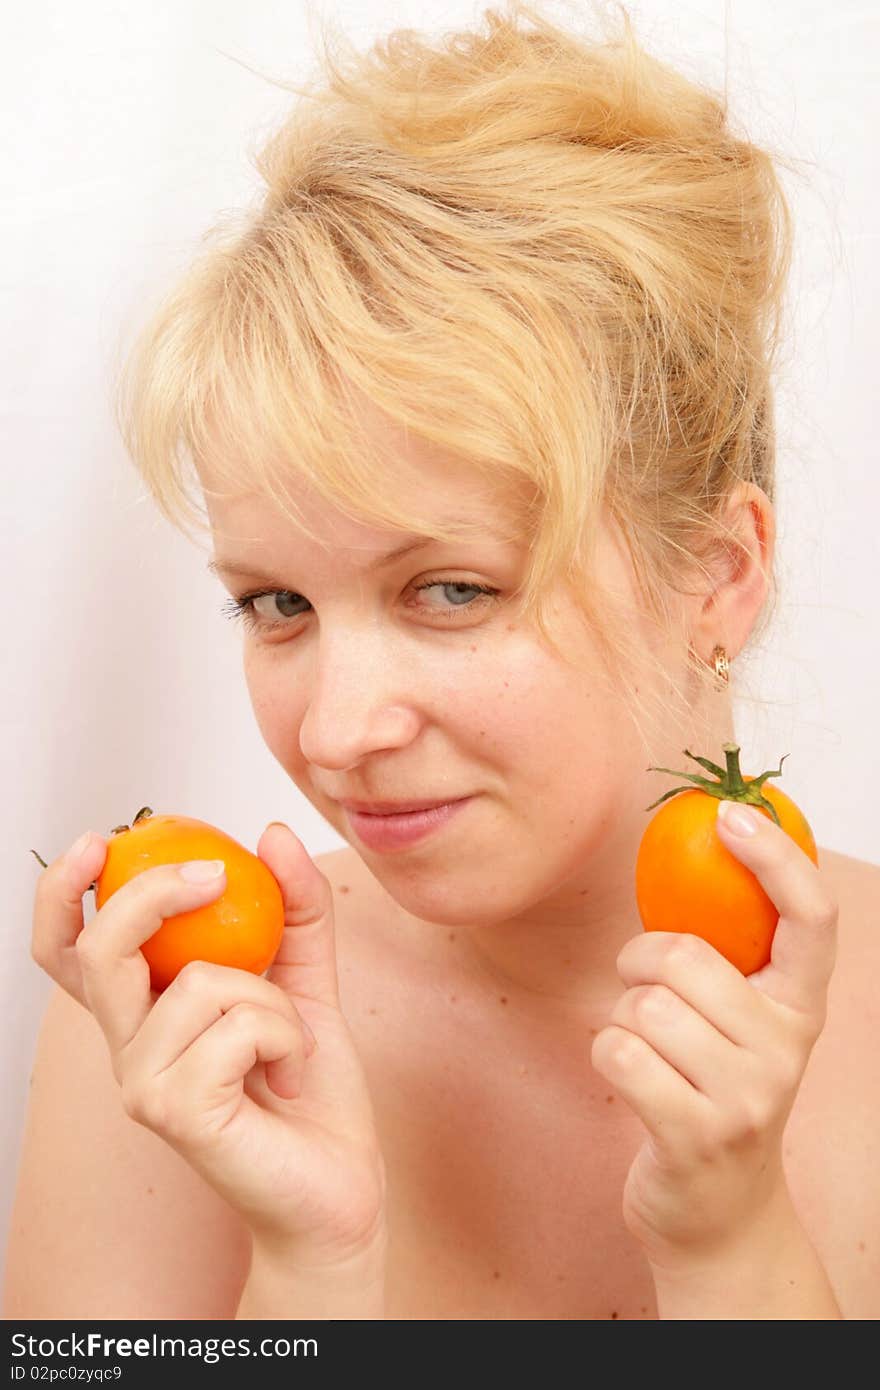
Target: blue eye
244	609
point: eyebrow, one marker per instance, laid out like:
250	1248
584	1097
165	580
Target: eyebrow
227	567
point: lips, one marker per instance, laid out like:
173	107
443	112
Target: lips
396	808
394	833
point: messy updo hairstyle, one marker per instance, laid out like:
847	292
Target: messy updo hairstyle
543	250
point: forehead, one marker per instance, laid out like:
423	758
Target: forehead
424	479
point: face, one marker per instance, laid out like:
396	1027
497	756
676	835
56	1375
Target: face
405	682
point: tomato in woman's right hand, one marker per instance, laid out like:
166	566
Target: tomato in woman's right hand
218	1065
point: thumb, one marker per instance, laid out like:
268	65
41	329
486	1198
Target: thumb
305	963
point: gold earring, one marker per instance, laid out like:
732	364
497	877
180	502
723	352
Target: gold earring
722	667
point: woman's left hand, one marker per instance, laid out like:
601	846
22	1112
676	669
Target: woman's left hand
711	1060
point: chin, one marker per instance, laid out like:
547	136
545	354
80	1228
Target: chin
440	894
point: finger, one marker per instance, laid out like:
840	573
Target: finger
698	973
58	912
305	964
805	942
116	976
671	1109
683	1038
209	1076
195	1000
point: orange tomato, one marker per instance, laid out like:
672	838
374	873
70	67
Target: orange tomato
242	927
687	880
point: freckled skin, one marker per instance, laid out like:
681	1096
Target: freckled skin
367	695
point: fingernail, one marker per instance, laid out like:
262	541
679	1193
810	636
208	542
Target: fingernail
742	820
201	870
77	849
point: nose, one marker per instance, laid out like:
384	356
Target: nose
360	704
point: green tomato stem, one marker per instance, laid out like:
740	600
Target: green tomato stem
729	786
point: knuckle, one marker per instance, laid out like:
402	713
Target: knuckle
274	1000
684	950
241	1019
751	1117
825	913
150	1104
653	1002
89	948
195	976
616	1048
142	1104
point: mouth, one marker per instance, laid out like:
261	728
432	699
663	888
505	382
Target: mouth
385	832
397	808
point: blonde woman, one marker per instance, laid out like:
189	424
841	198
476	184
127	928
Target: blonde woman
479	403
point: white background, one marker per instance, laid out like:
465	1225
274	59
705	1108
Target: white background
127	129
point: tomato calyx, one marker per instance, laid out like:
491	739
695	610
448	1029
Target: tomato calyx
143	814
730	785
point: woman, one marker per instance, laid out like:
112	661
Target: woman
479	402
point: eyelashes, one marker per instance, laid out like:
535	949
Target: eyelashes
243	608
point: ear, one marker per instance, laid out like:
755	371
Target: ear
727	613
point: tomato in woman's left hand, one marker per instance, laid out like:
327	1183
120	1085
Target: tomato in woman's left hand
711	1059
686	877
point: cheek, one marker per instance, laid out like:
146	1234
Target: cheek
278	702
547	717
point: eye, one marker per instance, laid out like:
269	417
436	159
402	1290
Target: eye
244	607
461	588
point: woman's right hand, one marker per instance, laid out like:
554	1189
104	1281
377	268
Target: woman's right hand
219	1065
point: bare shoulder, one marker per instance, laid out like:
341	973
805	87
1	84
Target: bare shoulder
855	884
848	873
834	1129
108	1221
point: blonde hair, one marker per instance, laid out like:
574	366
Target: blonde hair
549	254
